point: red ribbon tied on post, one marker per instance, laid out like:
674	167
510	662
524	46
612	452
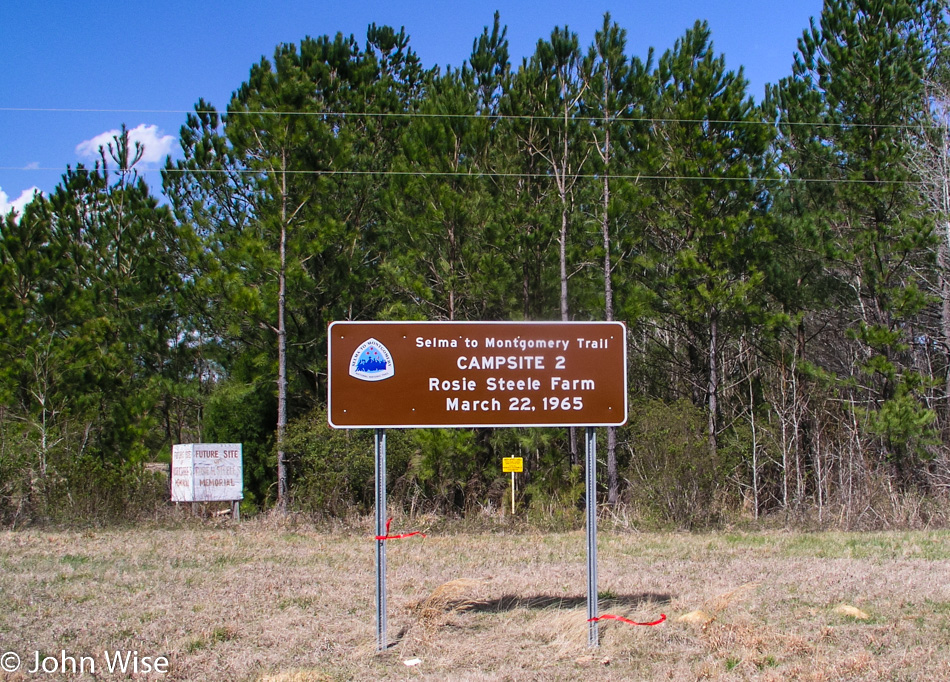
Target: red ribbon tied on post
627	620
387	536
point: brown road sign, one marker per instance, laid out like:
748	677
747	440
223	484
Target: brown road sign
460	374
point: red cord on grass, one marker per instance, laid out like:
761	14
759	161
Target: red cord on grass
627	620
387	536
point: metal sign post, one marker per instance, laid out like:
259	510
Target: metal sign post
381	642
590	484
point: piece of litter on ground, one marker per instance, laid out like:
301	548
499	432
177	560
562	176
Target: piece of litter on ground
851	611
413	661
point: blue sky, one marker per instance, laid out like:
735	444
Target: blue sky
74	71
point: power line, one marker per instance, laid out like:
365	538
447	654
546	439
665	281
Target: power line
487	175
416	114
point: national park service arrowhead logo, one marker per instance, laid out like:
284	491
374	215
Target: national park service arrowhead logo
372	361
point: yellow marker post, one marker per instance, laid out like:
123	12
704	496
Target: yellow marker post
513	465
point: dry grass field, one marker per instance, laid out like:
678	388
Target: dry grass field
264	601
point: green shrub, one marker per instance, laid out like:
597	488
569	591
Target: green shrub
332	471
246	414
87	489
671	476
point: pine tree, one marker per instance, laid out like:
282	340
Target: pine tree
447	249
710	225
619	90
90	320
281	245
848	114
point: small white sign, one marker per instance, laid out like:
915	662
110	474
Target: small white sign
183	489
207	472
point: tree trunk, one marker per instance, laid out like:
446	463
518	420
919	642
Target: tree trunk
452	257
713	386
755	453
282	350
943	252
613	487
562	245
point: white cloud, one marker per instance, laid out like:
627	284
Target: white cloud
157	146
26	196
